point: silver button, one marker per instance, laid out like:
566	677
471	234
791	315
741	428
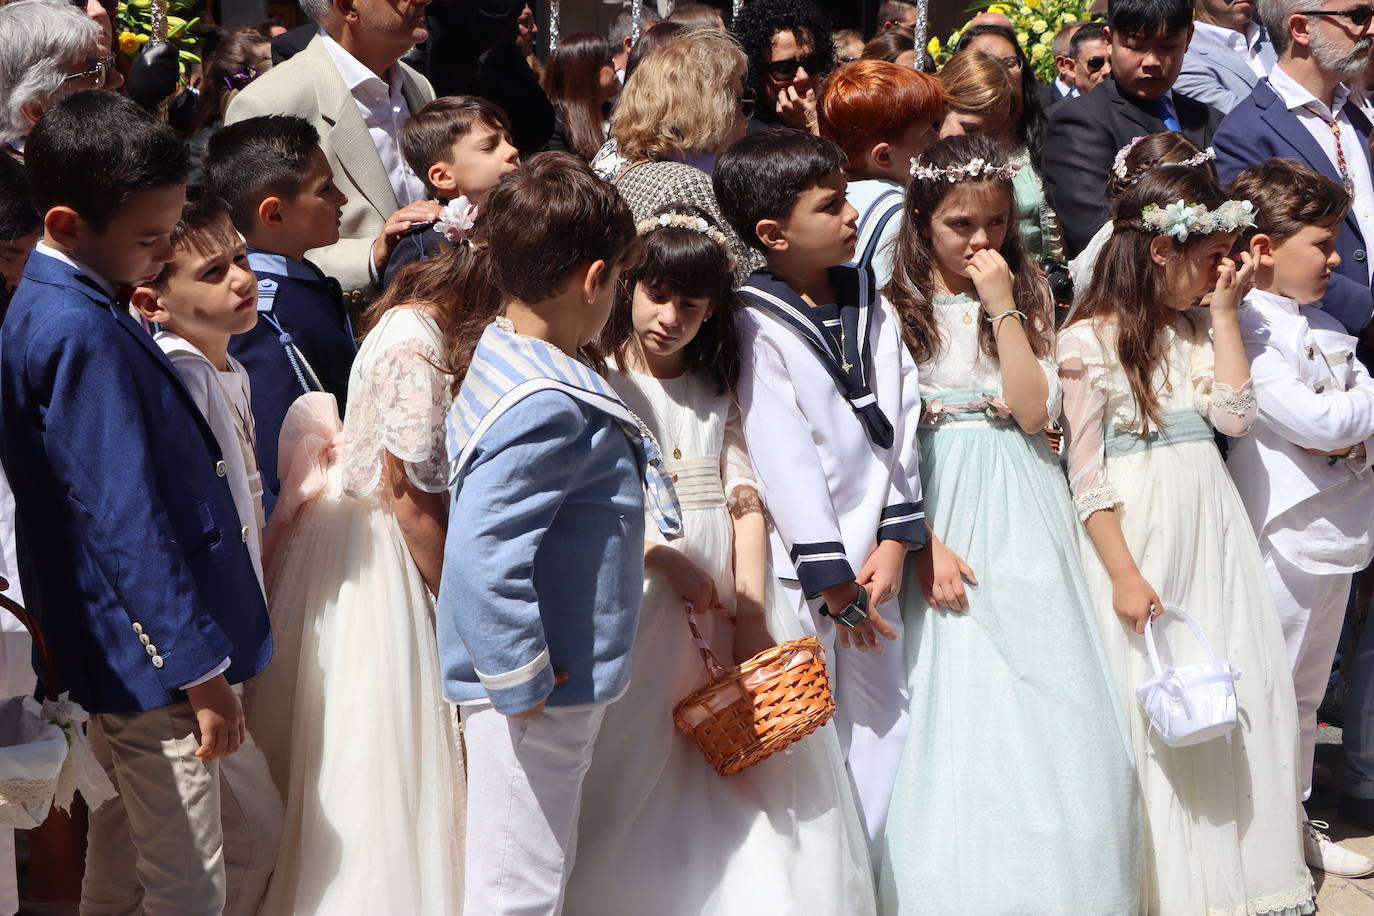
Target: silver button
243	535
157	661
138	628
151	650
143	638
220	469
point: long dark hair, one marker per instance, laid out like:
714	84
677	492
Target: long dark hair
1030	117
230	69
1131	288
684	262
573	83
912	287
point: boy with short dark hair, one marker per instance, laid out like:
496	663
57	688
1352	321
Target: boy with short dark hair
460	147
544	562
280	190
130	546
832	440
20	228
1303	472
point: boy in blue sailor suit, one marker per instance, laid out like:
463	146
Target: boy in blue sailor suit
829	400
277	183
129	544
544	561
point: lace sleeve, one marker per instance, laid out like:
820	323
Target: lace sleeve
413	401
1083	378
1231	411
736	470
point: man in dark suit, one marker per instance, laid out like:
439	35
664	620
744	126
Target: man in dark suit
1291	114
1148	39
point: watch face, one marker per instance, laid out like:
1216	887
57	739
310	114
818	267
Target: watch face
851	616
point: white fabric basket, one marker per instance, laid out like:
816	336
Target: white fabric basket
1190	704
32	751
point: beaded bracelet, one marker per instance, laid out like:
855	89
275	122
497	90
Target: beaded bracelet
1016	312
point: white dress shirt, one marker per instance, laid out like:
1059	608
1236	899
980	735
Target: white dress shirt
1245	44
384	109
1317	118
1064	90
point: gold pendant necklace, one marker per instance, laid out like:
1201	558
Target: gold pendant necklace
683	408
844	341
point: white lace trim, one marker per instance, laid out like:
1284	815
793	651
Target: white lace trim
1239	403
1095	500
1297	902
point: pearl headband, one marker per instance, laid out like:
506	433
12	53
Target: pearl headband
974	168
687	221
1119	163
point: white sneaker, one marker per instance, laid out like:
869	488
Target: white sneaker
1324	854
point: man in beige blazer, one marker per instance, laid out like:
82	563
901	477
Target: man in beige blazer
350	84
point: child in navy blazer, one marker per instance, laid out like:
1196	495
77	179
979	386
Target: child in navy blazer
129	544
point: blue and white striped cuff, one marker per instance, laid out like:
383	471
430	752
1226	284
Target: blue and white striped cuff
903	522
821	565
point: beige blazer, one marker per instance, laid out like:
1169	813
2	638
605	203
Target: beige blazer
309	86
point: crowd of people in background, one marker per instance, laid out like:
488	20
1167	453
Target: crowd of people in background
380	399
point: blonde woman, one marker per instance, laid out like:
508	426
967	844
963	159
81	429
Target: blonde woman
684	105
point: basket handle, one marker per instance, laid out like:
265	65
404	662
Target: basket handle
1192	625
44	654
714	669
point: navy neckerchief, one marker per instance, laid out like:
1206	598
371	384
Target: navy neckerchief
855	301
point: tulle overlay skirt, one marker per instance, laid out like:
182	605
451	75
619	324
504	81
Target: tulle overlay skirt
351	715
1017	790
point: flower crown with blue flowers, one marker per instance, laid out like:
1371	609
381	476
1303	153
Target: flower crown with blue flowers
1182	219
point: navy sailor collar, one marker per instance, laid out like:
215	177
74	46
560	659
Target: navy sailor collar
856	301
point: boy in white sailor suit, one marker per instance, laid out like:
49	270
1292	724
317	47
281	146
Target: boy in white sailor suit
1303	472
829	401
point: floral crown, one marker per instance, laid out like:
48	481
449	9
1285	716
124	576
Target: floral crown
1119	163
1181	219
686	221
974	168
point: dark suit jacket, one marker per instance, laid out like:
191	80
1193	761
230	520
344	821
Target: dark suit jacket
129	546
290	43
1261	127
1083	138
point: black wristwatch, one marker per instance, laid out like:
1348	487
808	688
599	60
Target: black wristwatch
854	613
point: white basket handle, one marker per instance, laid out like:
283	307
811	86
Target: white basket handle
1192	625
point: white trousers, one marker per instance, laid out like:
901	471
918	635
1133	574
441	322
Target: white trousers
1311	611
524	796
871	715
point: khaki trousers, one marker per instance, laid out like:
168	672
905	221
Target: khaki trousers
185	837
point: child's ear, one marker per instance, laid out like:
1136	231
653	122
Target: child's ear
148	304
64	226
1161	249
596	273
440	178
881	156
1262	249
770	232
269	212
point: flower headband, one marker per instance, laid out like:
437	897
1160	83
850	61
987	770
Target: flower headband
1119	163
1181	219
687	221
974	168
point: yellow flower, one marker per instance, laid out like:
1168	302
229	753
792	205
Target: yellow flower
934	46
1032	4
1022	38
999	8
129	43
1039	25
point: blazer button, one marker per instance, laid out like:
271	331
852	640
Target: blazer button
151	650
157	661
143	638
220	469
138	628
1359	254
243	535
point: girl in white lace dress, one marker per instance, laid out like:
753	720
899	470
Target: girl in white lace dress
1147	373
360	738
660	831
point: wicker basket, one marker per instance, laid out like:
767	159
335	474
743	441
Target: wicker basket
32	749
750	712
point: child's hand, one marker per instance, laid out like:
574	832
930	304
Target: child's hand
798	110
1135	601
219	718
751	638
942	573
559	677
1232	284
687	578
864	636
992	279
422	211
882	572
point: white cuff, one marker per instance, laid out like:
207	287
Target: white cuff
212	673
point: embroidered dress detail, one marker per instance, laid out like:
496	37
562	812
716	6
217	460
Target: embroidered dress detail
1240	403
507	367
1095	500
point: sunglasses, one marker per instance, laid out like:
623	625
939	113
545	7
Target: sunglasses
746	106
98	74
241	79
1359	17
782	70
1011	63
1095	63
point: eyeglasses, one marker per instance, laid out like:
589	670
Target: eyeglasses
97	74
746	105
1359	16
1095	63
1011	63
786	69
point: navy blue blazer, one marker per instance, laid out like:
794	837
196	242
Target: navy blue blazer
129	546
309	306
1261	127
